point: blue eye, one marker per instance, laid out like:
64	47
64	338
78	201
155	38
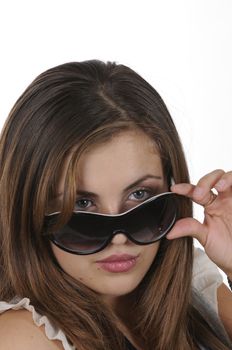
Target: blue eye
82	203
140	194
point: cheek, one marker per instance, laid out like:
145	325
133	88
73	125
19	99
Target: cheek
74	265
150	252
152	249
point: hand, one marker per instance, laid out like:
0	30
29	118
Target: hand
215	233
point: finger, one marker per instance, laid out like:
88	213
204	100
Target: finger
202	193
183	188
188	190
225	183
189	227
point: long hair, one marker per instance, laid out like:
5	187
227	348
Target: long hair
67	110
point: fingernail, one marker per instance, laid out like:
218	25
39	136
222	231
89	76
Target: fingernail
220	184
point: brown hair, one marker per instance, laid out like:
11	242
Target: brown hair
72	107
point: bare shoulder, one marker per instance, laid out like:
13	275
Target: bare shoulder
18	331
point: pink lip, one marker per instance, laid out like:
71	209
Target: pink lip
118	263
118	258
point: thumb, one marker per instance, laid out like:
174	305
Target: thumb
188	227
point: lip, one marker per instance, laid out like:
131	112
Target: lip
118	258
118	263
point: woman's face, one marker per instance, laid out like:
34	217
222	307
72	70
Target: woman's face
107	170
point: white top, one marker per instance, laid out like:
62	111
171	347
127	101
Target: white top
206	279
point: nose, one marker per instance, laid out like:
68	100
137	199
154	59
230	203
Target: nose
119	237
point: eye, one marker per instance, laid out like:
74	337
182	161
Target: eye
82	203
141	194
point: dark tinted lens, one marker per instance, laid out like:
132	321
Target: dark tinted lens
83	232
154	219
86	233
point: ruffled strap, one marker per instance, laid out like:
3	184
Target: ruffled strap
52	332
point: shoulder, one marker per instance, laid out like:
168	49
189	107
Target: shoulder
18	331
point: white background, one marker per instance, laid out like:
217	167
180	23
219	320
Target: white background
182	47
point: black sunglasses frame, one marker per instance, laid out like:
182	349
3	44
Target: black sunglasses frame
52	236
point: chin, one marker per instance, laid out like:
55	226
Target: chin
119	288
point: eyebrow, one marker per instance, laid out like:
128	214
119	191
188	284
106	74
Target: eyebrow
94	195
143	178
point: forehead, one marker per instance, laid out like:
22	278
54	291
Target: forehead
127	152
124	158
127	140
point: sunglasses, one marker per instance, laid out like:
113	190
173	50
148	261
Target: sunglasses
88	233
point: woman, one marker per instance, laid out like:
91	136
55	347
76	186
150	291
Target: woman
97	138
